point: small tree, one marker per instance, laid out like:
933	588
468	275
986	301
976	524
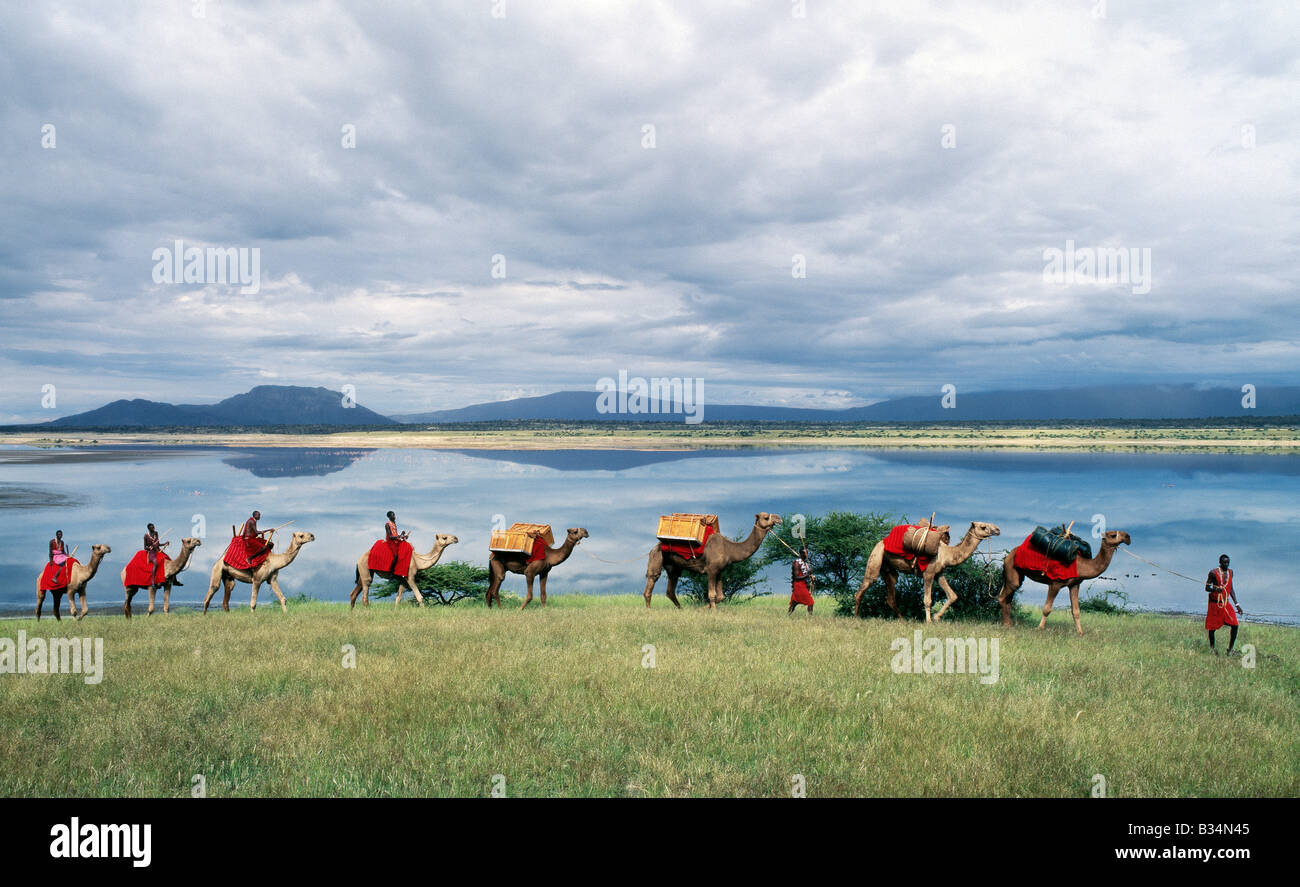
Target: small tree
741	576
445	583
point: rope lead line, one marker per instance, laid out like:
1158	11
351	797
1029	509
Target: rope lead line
1158	567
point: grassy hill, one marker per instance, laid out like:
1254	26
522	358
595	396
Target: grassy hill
558	702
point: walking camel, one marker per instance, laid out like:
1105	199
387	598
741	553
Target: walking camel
500	563
267	571
1086	568
171	569
365	575
882	563
78	576
717	554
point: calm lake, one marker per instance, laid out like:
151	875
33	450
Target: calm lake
1182	510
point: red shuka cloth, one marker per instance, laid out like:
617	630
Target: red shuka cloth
894	545
1221	612
539	550
137	571
799	593
383	552
55	577
688	550
1029	558
236	555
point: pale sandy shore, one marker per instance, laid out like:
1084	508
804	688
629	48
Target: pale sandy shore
1208	439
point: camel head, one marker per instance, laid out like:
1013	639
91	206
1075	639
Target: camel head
445	539
1116	538
577	534
100	550
983	530
765	521
302	537
189	543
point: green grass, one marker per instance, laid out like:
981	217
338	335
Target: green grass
558	702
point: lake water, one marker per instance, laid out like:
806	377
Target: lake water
1181	509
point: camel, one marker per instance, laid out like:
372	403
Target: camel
1088	568
171	569
890	566
78	576
717	554
224	574
500	563
419	562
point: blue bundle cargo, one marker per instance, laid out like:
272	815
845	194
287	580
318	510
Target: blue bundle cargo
1058	546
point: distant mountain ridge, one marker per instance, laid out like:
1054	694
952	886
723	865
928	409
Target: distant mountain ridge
1100	402
259	406
270	405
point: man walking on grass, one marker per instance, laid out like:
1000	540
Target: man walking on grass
1220	613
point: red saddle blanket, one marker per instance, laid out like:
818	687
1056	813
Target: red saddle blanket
383	552
688	550
1029	558
54	578
237	552
894	545
137	571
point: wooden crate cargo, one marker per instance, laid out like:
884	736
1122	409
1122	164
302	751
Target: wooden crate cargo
516	539
680	527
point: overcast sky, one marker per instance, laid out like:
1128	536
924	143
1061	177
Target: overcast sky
1163	126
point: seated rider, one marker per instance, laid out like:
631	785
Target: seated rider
254	544
394	539
153	546
58	550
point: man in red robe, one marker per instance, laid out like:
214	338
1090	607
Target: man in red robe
254	544
58	550
153	547
802	581
394	540
1220	612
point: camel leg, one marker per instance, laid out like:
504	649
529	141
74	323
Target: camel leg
541	586
167	597
528	600
152	590
715	590
410	580
952	596
1074	607
891	594
58	605
671	590
873	572
494	582
126	605
1047	607
225	597
927	600
40	602
274	582
1011	582
356	590
654	566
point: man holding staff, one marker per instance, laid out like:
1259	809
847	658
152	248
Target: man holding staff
802	581
254	544
1220	613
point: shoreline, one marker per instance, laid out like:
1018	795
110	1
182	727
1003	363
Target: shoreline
1285	440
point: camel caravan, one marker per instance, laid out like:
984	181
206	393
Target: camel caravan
686	541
